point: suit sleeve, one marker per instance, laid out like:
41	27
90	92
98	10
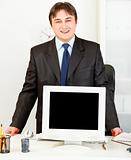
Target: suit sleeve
102	80
27	97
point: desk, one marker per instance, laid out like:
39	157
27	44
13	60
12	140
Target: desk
54	150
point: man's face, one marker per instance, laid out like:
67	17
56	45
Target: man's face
64	26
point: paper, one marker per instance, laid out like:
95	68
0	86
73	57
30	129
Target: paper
123	138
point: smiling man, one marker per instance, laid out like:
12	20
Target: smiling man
63	25
85	68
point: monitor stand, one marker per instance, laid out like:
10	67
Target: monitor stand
95	144
85	144
74	145
72	142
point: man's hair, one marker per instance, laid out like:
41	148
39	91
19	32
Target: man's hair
66	6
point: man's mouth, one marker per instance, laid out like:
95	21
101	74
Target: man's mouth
65	32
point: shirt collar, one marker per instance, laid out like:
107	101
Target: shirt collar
59	43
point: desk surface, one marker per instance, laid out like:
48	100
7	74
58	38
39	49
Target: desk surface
48	150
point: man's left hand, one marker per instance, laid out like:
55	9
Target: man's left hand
116	131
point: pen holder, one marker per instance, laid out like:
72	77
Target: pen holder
5	144
25	145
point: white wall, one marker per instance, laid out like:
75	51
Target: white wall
118	53
23	24
118	47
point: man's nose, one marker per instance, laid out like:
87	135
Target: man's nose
64	25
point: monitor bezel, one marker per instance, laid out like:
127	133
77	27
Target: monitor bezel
73	134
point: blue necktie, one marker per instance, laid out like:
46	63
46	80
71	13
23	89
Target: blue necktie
65	63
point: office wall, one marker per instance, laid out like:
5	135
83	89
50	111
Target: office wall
23	24
118	53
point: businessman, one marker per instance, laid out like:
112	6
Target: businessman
85	68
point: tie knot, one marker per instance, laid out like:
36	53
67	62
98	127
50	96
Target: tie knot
65	45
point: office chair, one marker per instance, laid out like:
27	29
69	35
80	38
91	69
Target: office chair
110	76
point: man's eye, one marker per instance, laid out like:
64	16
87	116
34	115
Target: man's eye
57	21
68	20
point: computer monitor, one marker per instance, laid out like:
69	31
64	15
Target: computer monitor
72	113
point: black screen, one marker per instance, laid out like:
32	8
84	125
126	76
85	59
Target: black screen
70	110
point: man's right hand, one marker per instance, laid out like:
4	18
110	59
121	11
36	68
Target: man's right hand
12	130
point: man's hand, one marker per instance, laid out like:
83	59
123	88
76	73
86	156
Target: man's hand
116	131
12	130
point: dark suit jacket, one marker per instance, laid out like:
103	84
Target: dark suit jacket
86	68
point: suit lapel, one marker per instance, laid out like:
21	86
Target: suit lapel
52	59
76	56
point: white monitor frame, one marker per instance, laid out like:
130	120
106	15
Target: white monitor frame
71	134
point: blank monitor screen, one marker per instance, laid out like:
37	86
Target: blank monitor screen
73	113
73	110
